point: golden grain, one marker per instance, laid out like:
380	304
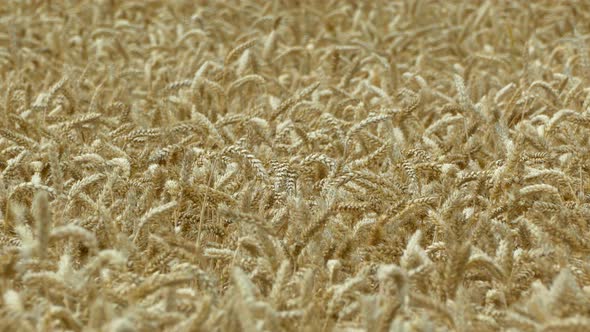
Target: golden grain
294	165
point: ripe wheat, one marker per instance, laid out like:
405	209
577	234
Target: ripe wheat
294	165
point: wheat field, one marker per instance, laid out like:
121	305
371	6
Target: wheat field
294	165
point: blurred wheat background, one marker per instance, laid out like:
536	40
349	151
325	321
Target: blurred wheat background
290	165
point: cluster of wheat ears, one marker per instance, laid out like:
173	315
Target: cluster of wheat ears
291	165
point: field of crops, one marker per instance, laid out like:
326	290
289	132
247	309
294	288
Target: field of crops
294	165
